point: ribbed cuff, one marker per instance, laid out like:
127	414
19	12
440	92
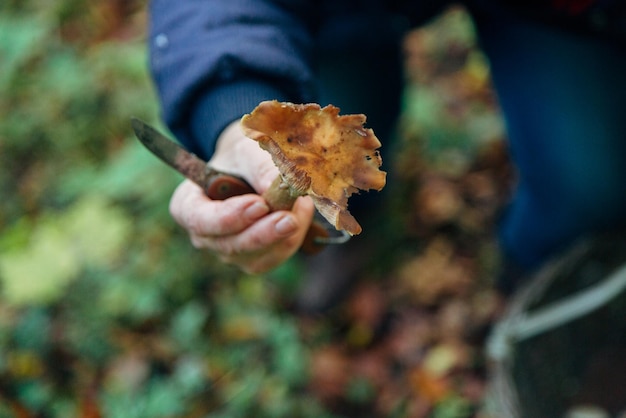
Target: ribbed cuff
224	104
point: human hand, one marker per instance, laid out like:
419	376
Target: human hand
241	230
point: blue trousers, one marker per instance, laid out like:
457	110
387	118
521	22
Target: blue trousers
563	96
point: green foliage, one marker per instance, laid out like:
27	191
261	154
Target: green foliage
88	234
453	407
450	127
103	301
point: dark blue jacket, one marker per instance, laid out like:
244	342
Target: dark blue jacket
213	61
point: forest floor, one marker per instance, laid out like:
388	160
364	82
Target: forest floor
107	310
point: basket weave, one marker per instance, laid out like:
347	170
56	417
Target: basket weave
562	342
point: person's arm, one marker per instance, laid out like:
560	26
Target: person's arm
214	61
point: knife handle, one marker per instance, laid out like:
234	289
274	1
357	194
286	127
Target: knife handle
220	186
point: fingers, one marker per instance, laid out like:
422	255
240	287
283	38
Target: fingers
240	230
201	216
268	242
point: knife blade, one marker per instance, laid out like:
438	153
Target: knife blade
217	185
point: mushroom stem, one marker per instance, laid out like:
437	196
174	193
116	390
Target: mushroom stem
279	196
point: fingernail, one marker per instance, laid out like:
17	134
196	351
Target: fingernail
256	210
285	225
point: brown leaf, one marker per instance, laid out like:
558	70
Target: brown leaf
367	304
89	407
429	386
19	410
436	273
374	366
438	201
454	320
330	372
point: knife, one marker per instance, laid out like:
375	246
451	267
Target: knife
217	185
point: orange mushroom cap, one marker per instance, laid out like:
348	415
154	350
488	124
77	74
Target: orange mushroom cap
320	154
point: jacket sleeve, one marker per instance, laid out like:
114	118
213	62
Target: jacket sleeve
214	60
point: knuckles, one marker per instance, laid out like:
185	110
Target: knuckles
223	232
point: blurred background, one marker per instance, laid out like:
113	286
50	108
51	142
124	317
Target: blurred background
106	310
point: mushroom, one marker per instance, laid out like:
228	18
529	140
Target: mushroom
318	153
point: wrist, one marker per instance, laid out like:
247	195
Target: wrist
237	154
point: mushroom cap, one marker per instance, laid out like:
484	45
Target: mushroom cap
320	154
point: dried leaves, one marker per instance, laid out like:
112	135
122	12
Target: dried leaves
151	336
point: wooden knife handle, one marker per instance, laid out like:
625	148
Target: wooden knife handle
221	186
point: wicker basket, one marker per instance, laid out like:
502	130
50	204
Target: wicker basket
561	347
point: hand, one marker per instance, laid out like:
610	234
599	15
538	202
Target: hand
241	230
